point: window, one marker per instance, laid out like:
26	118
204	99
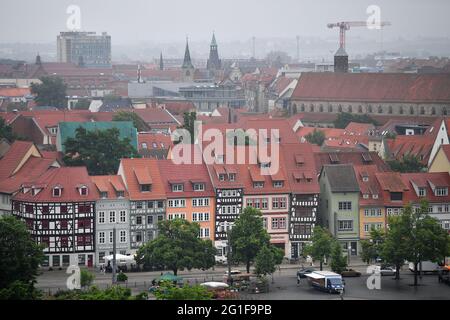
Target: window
177	187
232	176
264	204
138	220
56	192
278	223
396	196
177	203
123	236
101	217
160	218
146	187
222	177
56	261
101	237
422	192
440	192
84	191
150	204
120	194
149	219
139	205
123	216
345	225
138	236
111	236
345	205
103	195
144	145
160	204
278	184
112	217
200	202
204	233
176	216
199	186
258	185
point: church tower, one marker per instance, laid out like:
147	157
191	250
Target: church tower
161	62
341	61
213	61
188	67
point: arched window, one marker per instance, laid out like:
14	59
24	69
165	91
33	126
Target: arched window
340	108
360	108
422	110
444	111
380	109
350	109
294	108
311	108
303	107
330	108
411	110
433	110
321	108
369	108
401	110
390	110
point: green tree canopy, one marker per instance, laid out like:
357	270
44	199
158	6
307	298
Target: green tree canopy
82	104
344	118
315	137
6	131
394	247
321	245
168	291
248	236
371	249
177	247
100	150
338	260
189	124
131	116
267	259
20	257
51	92
408	163
94	293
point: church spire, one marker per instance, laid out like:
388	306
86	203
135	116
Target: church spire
38	59
161	62
187	63
213	62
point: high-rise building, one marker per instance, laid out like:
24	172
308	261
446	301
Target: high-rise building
91	49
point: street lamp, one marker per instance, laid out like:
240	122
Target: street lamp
349	248
114	279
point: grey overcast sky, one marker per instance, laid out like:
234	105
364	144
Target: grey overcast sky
136	21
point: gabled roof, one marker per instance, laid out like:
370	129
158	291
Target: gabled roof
352	157
373	87
110	184
426	180
391	182
341	178
368	184
70	179
14	157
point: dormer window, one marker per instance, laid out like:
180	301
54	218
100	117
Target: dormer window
154	145
265	165
222	177
177	187
278	184
146	187
56	192
104	194
120	194
35	191
83	191
365	179
232	176
422	192
441	192
53	130
375	196
258	185
199	186
144	145
366	196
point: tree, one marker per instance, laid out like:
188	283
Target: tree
371	249
248	236
6	131
51	92
408	163
320	247
426	239
177	247
100	150
189	124
344	118
20	257
131	116
168	291
315	137
265	261
82	104
93	293
338	260
86	278
394	247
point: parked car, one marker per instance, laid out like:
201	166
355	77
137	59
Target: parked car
303	272
350	273
386	270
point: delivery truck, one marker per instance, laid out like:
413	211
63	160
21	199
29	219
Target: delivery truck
326	281
426	267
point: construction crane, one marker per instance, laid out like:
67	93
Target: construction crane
344	26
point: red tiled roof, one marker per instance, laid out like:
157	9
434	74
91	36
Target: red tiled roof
13	157
154	116
150	166
423	179
353	157
69	178
162	141
376	87
370	187
391	181
416	145
14	92
110	184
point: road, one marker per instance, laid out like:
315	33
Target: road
284	287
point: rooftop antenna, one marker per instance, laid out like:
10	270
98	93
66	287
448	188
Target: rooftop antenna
253	47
